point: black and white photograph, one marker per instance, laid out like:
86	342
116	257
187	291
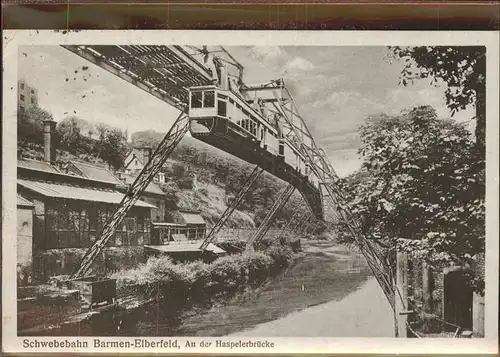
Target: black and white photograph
240	190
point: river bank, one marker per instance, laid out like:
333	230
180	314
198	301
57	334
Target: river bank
321	273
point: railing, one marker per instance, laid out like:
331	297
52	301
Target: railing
228	234
163	233
433	326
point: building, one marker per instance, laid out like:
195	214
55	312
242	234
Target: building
136	159
445	295
181	239
186	226
152	194
70	208
27	96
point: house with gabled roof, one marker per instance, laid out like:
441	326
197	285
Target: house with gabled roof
92	171
135	160
153	194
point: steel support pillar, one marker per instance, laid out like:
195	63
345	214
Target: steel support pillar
150	169
300	224
289	223
268	220
232	206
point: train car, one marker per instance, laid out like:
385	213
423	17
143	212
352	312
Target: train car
227	121
213	111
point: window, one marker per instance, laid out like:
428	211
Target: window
33	100
22	98
22	85
32	91
222	108
208	99
92	216
21	109
196	99
281	149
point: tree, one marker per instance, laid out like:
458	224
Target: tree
146	138
112	145
419	188
30	124
69	131
463	69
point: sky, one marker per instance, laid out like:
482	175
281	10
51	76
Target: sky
335	89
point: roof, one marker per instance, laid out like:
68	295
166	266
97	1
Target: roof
152	187
21	201
192	218
168	224
44	169
96	172
37	165
54	190
185	246
138	152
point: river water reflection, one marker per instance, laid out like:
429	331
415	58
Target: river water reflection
321	273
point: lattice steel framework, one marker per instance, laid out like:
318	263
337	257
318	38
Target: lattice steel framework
295	130
268	220
232	206
168	72
150	169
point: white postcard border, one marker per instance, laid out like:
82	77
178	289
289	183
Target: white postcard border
15	38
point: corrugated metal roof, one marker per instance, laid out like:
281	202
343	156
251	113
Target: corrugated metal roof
188	246
95	172
192	218
21	201
76	193
37	165
152	187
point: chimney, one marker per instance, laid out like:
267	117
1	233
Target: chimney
48	138
146	154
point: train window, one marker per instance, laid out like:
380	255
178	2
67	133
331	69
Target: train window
222	108
208	99
196	99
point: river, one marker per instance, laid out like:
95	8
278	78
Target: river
328	291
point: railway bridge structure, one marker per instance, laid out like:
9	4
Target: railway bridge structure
259	123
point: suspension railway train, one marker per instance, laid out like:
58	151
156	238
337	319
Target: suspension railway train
225	120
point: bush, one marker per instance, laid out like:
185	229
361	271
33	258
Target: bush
225	276
280	254
179	284
258	265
